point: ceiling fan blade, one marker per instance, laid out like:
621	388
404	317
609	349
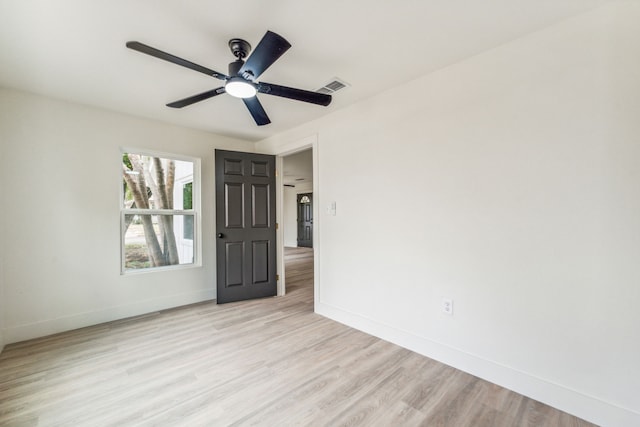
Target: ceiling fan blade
140	47
256	110
196	98
292	93
270	48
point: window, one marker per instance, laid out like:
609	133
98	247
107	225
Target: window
158	215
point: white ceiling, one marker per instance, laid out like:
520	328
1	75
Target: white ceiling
75	49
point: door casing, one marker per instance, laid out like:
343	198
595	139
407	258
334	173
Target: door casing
310	141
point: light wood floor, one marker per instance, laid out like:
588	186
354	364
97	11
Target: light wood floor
269	362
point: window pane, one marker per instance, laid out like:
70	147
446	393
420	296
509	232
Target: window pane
156	240
187	231
187	196
187	203
149	182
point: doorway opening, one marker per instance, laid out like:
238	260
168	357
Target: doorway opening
297	223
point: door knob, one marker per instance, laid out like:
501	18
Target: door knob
220	235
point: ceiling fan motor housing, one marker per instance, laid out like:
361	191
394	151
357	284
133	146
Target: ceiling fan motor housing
234	67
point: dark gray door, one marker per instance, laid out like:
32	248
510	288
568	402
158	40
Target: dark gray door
305	220
245	226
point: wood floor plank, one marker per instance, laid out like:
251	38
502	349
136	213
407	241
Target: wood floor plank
267	362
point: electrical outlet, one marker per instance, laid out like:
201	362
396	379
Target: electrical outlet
447	306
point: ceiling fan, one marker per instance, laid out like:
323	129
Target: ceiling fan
241	81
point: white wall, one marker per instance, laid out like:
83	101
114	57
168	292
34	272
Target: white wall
509	183
61	171
290	203
2	249
290	217
1	309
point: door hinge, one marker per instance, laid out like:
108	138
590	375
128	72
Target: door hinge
276	225
276	173
277	277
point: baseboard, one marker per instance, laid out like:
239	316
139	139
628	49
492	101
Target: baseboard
571	401
66	323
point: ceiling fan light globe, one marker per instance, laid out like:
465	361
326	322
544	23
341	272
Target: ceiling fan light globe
240	88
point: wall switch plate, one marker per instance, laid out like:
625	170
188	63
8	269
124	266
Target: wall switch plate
447	306
331	209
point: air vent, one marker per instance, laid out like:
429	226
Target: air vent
333	86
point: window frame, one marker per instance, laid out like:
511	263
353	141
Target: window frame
195	211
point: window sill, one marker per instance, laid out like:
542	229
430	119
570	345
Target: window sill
137	271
